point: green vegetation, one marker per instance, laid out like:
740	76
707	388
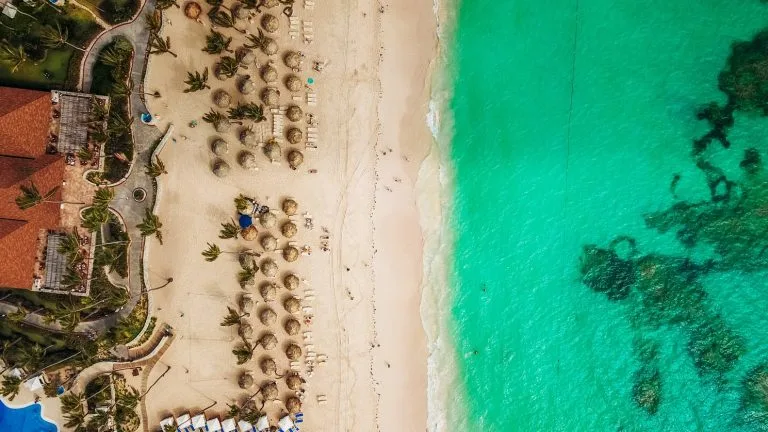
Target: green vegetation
128	328
44	63
110	77
97	392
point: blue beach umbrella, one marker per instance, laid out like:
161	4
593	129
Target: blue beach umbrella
245	221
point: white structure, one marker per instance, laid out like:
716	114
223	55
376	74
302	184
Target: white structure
183	423
262	424
213	425
198	422
286	425
167	423
229	425
244	426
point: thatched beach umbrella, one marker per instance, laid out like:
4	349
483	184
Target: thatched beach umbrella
248	138
269	268
294	113
289	229
246	56
247	160
241	12
293	405
268	341
269	391
268	291
295	159
273	151
292	59
292	327
269	46
294	382
290	206
222	99
291	281
268	366
220	147
270	96
192	10
245	330
270	3
292	305
222	125
246	303
245	381
268	220
245	258
294	135
269	74
250	233
269	242
293	83
221	168
290	254
247	86
270	23
268	317
293	352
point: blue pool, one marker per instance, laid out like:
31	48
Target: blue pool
27	419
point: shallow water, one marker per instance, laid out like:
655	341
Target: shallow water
571	119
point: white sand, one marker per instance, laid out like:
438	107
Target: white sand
367	289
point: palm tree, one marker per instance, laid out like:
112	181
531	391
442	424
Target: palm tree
94	217
232	317
85	155
252	4
217	4
197	81
73	280
98	112
122	89
247	274
258	41
103	196
31	356
244	353
11	386
73	411
165	4
151	225
212	253
154	21
156	168
228	66
216	42
51	37
100	419
229	230
250	111
119	124
223	19
214	117
71	246
158	45
18	315
113	56
242	202
30	196
13	56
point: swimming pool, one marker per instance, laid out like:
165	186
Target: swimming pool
25	419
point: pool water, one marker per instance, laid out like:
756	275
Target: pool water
26	419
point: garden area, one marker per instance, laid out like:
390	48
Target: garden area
43	45
111	78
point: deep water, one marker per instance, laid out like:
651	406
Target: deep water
27	419
574	122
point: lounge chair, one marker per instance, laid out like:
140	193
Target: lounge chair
228	425
213	425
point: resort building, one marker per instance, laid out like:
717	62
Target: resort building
40	136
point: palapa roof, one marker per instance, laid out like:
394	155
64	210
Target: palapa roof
292	327
247	160
294	135
247	86
270	23
290	254
293	83
289	229
268	220
270	3
268	291
268	366
269	47
293	404
270	96
25	117
220	147
291	281
294	113
290	206
245	330
246	303
292	59
221	168
246	56
222	99
295	159
292	305
294	382
250	233
245	381
268	317
269	242
192	10
269	74
268	341
293	352
269	390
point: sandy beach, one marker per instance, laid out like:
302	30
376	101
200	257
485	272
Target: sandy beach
372	105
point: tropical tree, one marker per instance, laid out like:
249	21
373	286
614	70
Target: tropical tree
113	56
54	37
73	411
217	4
119	124
156	168
214	117
14	56
258	41
18	315
85	154
103	196
94	217
30	196
249	111
10	387
247	275
197	81
229	230
252	4
242	203
122	88
227	66
98	111
158	45
165	4
73	279
212	253
223	18
151	225
30	356
232	318
99	420
71	246
244	352
216	42
154	21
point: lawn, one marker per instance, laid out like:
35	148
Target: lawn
46	68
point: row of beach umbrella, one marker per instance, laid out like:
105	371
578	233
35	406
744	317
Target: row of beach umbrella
198	423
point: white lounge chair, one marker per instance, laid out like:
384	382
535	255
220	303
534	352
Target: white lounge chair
286	425
198	422
166	422
213	425
183	423
228	425
244	426
262	425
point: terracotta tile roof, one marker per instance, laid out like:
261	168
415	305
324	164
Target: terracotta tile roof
25	119
24	125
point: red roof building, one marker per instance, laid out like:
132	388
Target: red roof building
25	119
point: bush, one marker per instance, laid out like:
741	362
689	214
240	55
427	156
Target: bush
118	11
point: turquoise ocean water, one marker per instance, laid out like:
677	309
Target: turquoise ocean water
570	119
